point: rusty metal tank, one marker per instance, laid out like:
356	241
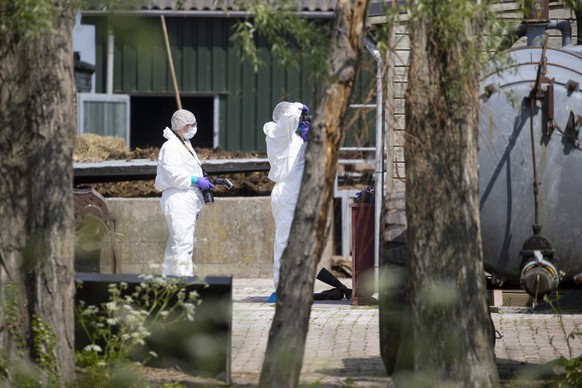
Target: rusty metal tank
530	168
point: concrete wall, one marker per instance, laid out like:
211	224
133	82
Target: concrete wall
233	237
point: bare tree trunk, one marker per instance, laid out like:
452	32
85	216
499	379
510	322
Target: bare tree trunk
286	345
449	317
37	133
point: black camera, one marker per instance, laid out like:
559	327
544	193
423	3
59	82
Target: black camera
208	197
207	194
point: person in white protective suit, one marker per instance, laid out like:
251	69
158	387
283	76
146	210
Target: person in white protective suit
286	138
181	180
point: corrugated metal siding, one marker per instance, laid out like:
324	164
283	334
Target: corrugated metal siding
209	5
202	8
206	64
199	51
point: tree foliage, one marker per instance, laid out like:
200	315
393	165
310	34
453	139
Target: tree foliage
575	5
448	22
23	20
293	39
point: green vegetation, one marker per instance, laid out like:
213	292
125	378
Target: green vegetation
447	21
22	372
115	328
24	20
572	367
293	39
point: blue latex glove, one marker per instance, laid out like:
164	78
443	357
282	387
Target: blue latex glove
202	182
303	129
305	110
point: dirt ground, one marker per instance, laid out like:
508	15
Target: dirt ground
95	148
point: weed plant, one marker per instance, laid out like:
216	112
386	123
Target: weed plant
131	314
572	366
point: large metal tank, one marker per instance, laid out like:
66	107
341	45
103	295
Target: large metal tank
539	257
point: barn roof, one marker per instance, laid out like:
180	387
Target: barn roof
213	5
315	8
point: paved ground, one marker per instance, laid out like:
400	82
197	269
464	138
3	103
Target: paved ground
342	346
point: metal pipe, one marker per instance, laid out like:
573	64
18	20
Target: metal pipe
565	29
363	149
379	173
536	11
536	33
216	122
536	16
521	30
110	58
362	106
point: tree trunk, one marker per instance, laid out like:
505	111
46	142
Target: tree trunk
286	345
450	323
37	134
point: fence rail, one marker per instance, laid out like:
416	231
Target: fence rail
129	170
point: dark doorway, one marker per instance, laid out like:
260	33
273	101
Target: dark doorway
151	114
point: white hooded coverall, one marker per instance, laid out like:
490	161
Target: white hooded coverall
286	153
181	202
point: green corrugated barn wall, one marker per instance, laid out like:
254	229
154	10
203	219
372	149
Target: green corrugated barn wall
207	64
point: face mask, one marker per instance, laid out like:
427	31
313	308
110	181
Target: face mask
191	132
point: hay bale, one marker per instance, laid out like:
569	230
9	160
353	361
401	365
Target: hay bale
90	148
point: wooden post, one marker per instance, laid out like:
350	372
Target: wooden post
170	62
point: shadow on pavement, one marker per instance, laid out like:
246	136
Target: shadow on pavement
523	372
